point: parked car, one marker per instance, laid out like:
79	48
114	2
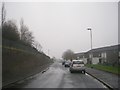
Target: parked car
67	63
63	62
77	65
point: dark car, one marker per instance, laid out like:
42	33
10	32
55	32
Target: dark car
63	62
67	63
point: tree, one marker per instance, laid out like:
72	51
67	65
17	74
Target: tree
3	12
68	55
38	46
10	31
25	35
9	28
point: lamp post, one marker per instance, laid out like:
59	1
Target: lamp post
91	42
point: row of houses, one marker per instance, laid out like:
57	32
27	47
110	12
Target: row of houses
105	55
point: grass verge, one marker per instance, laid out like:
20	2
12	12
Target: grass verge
115	69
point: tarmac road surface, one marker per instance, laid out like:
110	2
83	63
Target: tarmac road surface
57	76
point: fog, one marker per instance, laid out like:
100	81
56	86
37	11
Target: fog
59	26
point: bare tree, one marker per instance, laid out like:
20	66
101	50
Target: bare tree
38	46
25	35
3	16
10	31
68	55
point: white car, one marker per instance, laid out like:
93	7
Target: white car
77	65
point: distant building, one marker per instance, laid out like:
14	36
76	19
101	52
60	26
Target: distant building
104	55
81	56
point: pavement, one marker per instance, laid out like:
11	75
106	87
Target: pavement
110	79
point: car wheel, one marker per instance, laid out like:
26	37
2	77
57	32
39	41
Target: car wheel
83	71
71	71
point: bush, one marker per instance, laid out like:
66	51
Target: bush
10	31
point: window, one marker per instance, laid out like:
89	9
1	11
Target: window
104	55
90	55
78	62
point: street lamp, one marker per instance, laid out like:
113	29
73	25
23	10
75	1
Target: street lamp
91	41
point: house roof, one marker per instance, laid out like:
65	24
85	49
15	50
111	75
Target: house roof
79	54
101	49
115	47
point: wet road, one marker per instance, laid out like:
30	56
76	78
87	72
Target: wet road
57	76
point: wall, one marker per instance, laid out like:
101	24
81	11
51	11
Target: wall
95	60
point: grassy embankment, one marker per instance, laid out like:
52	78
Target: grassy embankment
18	63
115	69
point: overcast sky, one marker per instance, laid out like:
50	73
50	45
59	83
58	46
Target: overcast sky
59	26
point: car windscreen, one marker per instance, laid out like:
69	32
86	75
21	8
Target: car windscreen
78	62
